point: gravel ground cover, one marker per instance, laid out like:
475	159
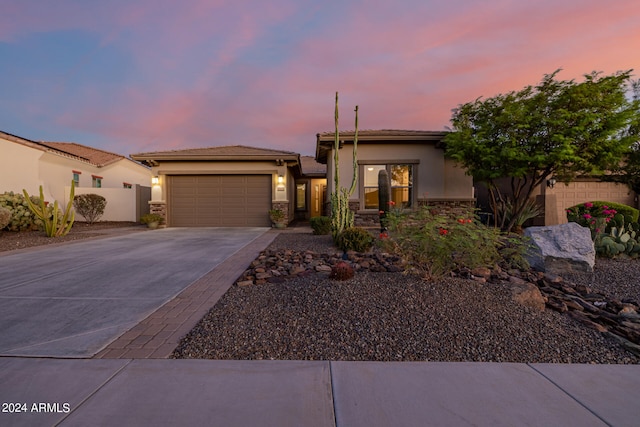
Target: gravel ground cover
12	240
399	317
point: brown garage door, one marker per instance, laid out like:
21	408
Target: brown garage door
219	200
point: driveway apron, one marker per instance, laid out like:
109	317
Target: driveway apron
72	300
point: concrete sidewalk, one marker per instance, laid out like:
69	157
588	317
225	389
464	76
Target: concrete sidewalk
124	392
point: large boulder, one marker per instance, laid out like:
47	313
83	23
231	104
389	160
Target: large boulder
560	249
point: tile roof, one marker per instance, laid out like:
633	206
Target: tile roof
95	156
226	150
309	166
382	133
79	152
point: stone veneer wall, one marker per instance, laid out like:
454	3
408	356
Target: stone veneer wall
284	207
447	207
159	208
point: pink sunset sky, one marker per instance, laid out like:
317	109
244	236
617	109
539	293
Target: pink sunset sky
133	76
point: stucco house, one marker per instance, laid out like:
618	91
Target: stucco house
232	186
420	173
28	164
237	185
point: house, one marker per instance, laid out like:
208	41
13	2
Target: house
232	186
419	171
237	185
27	164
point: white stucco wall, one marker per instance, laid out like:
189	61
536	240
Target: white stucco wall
121	203
19	167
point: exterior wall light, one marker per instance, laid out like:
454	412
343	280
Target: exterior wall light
551	182
280	179
155	180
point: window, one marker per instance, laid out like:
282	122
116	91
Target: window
96	181
401	178
126	185
76	178
301	196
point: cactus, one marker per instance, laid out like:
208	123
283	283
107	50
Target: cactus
341	215
54	226
21	217
384	196
618	241
341	271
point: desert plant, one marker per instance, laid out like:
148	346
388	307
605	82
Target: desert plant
22	218
618	241
341	214
384	199
54	224
529	211
435	244
5	217
90	206
276	215
355	239
614	214
320	224
341	271
150	218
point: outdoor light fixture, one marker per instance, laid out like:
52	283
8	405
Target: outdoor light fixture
551	182
154	180
280	179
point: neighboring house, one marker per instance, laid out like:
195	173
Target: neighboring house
232	186
420	173
27	164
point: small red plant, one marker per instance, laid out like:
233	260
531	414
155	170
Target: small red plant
341	271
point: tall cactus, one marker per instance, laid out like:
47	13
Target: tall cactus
341	215
54	226
384	196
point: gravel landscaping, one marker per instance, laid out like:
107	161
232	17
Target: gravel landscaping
384	316
400	317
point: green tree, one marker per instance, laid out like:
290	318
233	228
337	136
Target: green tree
559	128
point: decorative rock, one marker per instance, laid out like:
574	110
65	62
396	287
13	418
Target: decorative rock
560	249
244	283
481	272
323	267
528	294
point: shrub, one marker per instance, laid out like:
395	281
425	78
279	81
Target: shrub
355	239
321	225
90	206
593	214
151	217
22	218
5	217
438	244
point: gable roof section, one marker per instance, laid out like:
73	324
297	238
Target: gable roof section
95	156
325	141
71	150
223	153
311	168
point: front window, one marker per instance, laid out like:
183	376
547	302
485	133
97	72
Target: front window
96	181
401	178
76	178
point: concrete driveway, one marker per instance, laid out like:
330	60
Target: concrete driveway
72	300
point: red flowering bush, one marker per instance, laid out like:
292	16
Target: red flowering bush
593	215
438	244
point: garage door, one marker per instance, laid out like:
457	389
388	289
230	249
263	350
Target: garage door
219	200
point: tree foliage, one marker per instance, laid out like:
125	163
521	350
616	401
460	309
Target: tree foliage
559	128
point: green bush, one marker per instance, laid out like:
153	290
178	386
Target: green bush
22	218
90	206
355	239
5	217
436	244
321	225
594	214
